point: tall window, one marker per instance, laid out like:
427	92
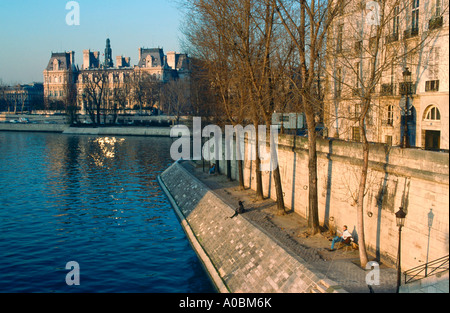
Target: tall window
356	134
433	63
338	83
437	8
390	115
396	20
415	15
340	32
358	74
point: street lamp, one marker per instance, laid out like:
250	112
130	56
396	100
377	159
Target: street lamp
400	217
430	224
407	85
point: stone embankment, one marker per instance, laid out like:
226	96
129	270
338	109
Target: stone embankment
100	131
25	127
238	256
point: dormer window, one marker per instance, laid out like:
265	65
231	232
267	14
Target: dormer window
55	65
149	61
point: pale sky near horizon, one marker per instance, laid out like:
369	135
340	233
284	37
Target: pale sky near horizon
31	30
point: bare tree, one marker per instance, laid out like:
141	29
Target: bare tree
175	97
3	99
95	86
71	99
307	24
120	93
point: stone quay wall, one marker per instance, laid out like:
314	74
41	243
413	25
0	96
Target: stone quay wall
416	180
98	131
238	256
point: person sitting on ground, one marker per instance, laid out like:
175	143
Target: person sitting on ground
345	236
212	170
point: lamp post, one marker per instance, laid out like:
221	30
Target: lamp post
407	84
400	217
430	224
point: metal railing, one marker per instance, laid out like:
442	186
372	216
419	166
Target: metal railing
431	268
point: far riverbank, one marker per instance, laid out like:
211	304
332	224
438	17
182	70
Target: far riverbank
100	131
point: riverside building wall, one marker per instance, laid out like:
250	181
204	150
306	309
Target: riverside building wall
415	179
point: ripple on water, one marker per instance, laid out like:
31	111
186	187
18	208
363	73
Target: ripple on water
94	201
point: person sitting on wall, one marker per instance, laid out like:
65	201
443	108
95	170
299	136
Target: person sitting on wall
212	170
239	210
346	238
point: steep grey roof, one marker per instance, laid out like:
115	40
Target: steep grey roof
182	62
63	58
156	53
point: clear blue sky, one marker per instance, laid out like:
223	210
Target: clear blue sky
30	30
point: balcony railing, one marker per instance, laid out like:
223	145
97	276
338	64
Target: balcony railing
391	38
435	22
412	32
387	90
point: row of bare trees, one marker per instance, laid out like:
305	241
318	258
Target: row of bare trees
13	99
263	56
105	93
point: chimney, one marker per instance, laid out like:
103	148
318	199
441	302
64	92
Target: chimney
86	59
119	61
72	58
140	54
171	59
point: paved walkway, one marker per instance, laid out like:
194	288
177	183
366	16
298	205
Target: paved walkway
290	231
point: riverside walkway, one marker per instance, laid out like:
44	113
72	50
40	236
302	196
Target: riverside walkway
289	231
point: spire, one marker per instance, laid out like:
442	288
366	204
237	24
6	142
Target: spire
108	55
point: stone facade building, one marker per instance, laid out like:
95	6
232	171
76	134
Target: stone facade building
410	91
62	73
21	98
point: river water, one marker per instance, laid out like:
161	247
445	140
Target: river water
94	201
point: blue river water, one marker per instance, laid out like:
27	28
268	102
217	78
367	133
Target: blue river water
95	201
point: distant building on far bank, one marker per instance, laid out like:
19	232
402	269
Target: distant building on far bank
62	74
22	97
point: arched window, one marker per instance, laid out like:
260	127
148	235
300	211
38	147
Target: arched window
432	114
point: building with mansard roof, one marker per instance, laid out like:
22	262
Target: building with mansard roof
62	71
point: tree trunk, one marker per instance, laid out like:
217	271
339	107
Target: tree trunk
361	192
276	175
241	174
259	189
239	157
313	210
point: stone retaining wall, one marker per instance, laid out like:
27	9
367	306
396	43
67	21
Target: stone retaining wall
241	257
55	128
119	131
99	131
414	179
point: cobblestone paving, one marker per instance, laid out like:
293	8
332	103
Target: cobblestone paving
339	266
